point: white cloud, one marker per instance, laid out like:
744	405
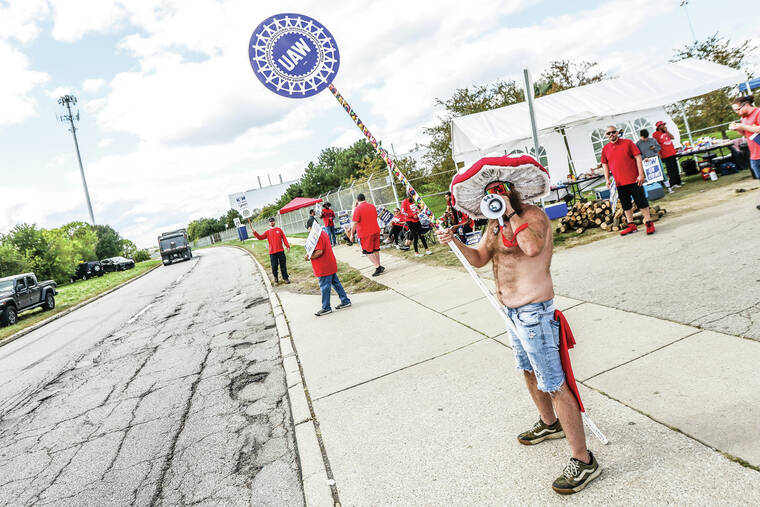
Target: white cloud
105	142
19	20
93	85
16	86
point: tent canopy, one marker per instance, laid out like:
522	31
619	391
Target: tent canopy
646	89
298	203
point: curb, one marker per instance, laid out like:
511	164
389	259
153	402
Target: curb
25	331
318	487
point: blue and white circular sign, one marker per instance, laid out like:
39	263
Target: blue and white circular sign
293	55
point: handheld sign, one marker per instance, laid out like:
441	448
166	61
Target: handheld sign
313	238
652	170
293	55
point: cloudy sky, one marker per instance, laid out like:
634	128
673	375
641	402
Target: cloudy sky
173	118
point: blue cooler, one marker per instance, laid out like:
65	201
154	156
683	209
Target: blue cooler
602	192
557	210
654	191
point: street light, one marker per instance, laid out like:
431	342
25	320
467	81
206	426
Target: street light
68	117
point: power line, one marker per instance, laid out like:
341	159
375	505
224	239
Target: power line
67	101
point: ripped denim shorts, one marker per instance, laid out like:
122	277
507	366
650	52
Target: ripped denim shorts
536	345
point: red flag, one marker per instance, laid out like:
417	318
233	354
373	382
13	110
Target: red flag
566	342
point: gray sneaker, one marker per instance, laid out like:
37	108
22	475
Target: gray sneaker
576	476
540	432
338	307
322	312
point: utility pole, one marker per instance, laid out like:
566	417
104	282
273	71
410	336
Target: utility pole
67	101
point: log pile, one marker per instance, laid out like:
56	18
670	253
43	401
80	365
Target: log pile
599	213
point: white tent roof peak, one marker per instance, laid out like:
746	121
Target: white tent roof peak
644	89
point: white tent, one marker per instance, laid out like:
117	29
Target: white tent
632	102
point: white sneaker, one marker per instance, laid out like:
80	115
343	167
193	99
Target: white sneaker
363	254
428	252
419	255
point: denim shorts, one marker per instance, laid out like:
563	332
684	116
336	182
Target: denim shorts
536	345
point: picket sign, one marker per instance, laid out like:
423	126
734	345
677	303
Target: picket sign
313	238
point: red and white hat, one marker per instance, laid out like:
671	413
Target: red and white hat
523	173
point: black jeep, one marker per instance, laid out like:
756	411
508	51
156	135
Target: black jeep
19	293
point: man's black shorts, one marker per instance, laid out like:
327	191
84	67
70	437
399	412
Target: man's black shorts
625	192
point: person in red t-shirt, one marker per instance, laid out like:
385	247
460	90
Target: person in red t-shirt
275	239
397	226
411	212
326	269
667	153
367	229
328	217
623	158
749	126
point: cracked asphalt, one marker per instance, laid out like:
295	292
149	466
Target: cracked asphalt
169	391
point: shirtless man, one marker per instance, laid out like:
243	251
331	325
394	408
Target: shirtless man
524	285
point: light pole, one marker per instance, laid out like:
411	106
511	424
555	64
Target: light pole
68	117
684	3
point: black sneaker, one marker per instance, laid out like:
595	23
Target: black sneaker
343	306
378	271
287	280
323	312
540	432
576	476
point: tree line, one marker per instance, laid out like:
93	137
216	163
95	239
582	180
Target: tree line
335	167
206	226
55	253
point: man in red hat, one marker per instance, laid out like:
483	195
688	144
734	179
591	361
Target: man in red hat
621	157
521	253
667	153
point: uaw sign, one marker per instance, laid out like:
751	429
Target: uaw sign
293	55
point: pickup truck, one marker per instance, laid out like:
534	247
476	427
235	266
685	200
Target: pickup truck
19	293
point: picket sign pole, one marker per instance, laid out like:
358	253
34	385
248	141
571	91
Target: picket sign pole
454	248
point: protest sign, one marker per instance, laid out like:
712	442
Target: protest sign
313	238
652	170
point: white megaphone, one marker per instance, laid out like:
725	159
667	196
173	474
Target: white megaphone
492	206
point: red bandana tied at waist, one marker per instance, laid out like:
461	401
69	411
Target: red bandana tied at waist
566	342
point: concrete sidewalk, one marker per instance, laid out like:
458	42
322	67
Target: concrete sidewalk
418	402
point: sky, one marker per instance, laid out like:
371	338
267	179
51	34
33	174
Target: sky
172	118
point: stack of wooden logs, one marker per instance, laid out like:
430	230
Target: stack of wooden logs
590	214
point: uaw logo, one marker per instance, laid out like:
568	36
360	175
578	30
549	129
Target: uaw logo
293	55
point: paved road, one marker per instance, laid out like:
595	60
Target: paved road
699	269
169	391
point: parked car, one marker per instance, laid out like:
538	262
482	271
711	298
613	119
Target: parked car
117	264
19	293
87	270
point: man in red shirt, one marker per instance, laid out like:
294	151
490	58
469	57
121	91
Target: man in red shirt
326	269
667	153
623	158
276	238
749	126
367	229
328	217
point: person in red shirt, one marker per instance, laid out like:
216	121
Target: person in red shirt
367	229
667	153
411	212
397	226
276	239
326	269
749	126
623	158
328	217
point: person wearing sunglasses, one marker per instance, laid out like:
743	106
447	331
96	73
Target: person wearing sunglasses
622	158
749	126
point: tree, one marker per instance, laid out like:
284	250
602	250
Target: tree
141	256
565	74
128	249
108	242
11	261
229	218
84	239
713	108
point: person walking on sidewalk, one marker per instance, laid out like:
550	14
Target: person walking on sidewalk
623	159
521	253
667	153
412	218
368	230
276	239
328	218
326	269
749	126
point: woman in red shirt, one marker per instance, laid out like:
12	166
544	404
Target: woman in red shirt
750	125
667	153
411	214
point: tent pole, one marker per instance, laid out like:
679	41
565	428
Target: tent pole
569	155
686	122
531	112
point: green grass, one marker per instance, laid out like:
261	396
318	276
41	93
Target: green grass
74	293
301	274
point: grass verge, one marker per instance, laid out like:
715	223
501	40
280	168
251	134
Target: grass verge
301	274
74	293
